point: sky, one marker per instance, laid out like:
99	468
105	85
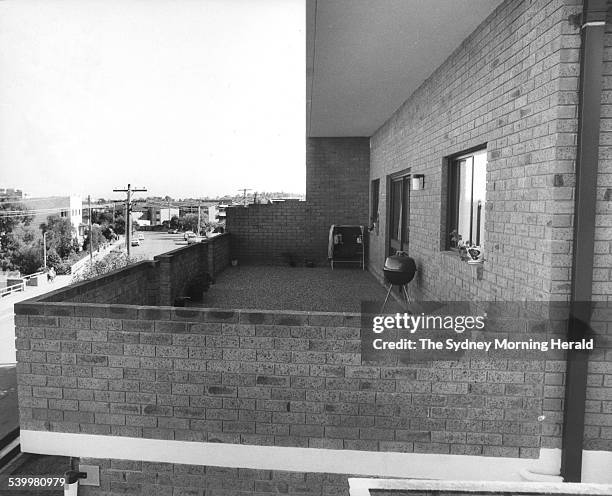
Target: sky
189	98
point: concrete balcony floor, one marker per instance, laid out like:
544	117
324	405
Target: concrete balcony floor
318	289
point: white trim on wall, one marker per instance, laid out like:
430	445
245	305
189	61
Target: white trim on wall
361	487
358	463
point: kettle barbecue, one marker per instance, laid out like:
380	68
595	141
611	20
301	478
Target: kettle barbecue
399	270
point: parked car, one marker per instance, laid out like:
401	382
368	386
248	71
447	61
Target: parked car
194	239
172	231
135	242
187	234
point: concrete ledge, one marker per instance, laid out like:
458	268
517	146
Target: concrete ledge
35	306
405	487
360	463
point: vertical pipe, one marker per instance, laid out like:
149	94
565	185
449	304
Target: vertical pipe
591	62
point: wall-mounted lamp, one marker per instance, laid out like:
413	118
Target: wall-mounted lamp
418	182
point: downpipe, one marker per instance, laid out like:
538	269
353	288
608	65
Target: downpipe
71	482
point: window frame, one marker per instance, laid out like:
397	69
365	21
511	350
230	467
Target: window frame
374	201
451	220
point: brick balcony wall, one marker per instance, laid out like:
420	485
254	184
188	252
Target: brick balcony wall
156	282
218	253
133	285
178	268
265	233
262	378
336	193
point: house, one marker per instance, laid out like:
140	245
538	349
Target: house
158	215
70	207
487	120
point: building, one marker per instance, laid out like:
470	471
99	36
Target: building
68	207
10	194
159	215
265	386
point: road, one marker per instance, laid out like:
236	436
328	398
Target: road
156	243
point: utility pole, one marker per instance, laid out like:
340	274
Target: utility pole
90	233
244	192
128	215
45	249
199	215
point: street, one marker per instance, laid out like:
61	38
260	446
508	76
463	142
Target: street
156	243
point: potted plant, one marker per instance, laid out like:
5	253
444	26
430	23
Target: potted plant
468	252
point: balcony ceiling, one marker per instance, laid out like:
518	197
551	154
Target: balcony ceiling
366	57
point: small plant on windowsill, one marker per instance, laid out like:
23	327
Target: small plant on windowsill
457	244
468	252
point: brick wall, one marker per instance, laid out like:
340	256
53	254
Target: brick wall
166	479
336	188
336	193
178	268
261	378
157	282
263	234
512	85
128	286
598	421
218	253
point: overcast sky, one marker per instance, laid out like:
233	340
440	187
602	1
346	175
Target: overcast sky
183	97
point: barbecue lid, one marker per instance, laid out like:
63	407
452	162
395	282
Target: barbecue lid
400	262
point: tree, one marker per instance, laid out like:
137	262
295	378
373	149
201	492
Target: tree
102	218
10	218
23	250
95	235
119	224
61	235
189	222
175	222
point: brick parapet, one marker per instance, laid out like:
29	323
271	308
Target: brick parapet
271	378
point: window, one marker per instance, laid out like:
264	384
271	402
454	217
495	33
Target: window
467	195
399	212
374	201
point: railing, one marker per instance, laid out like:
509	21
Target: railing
13	288
30	276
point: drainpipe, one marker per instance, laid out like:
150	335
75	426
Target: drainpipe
591	61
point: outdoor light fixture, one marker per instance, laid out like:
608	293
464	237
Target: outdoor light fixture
418	182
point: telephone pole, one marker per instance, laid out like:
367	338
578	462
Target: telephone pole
244	192
199	216
128	215
90	233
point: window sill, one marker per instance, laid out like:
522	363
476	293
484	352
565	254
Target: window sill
451	261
